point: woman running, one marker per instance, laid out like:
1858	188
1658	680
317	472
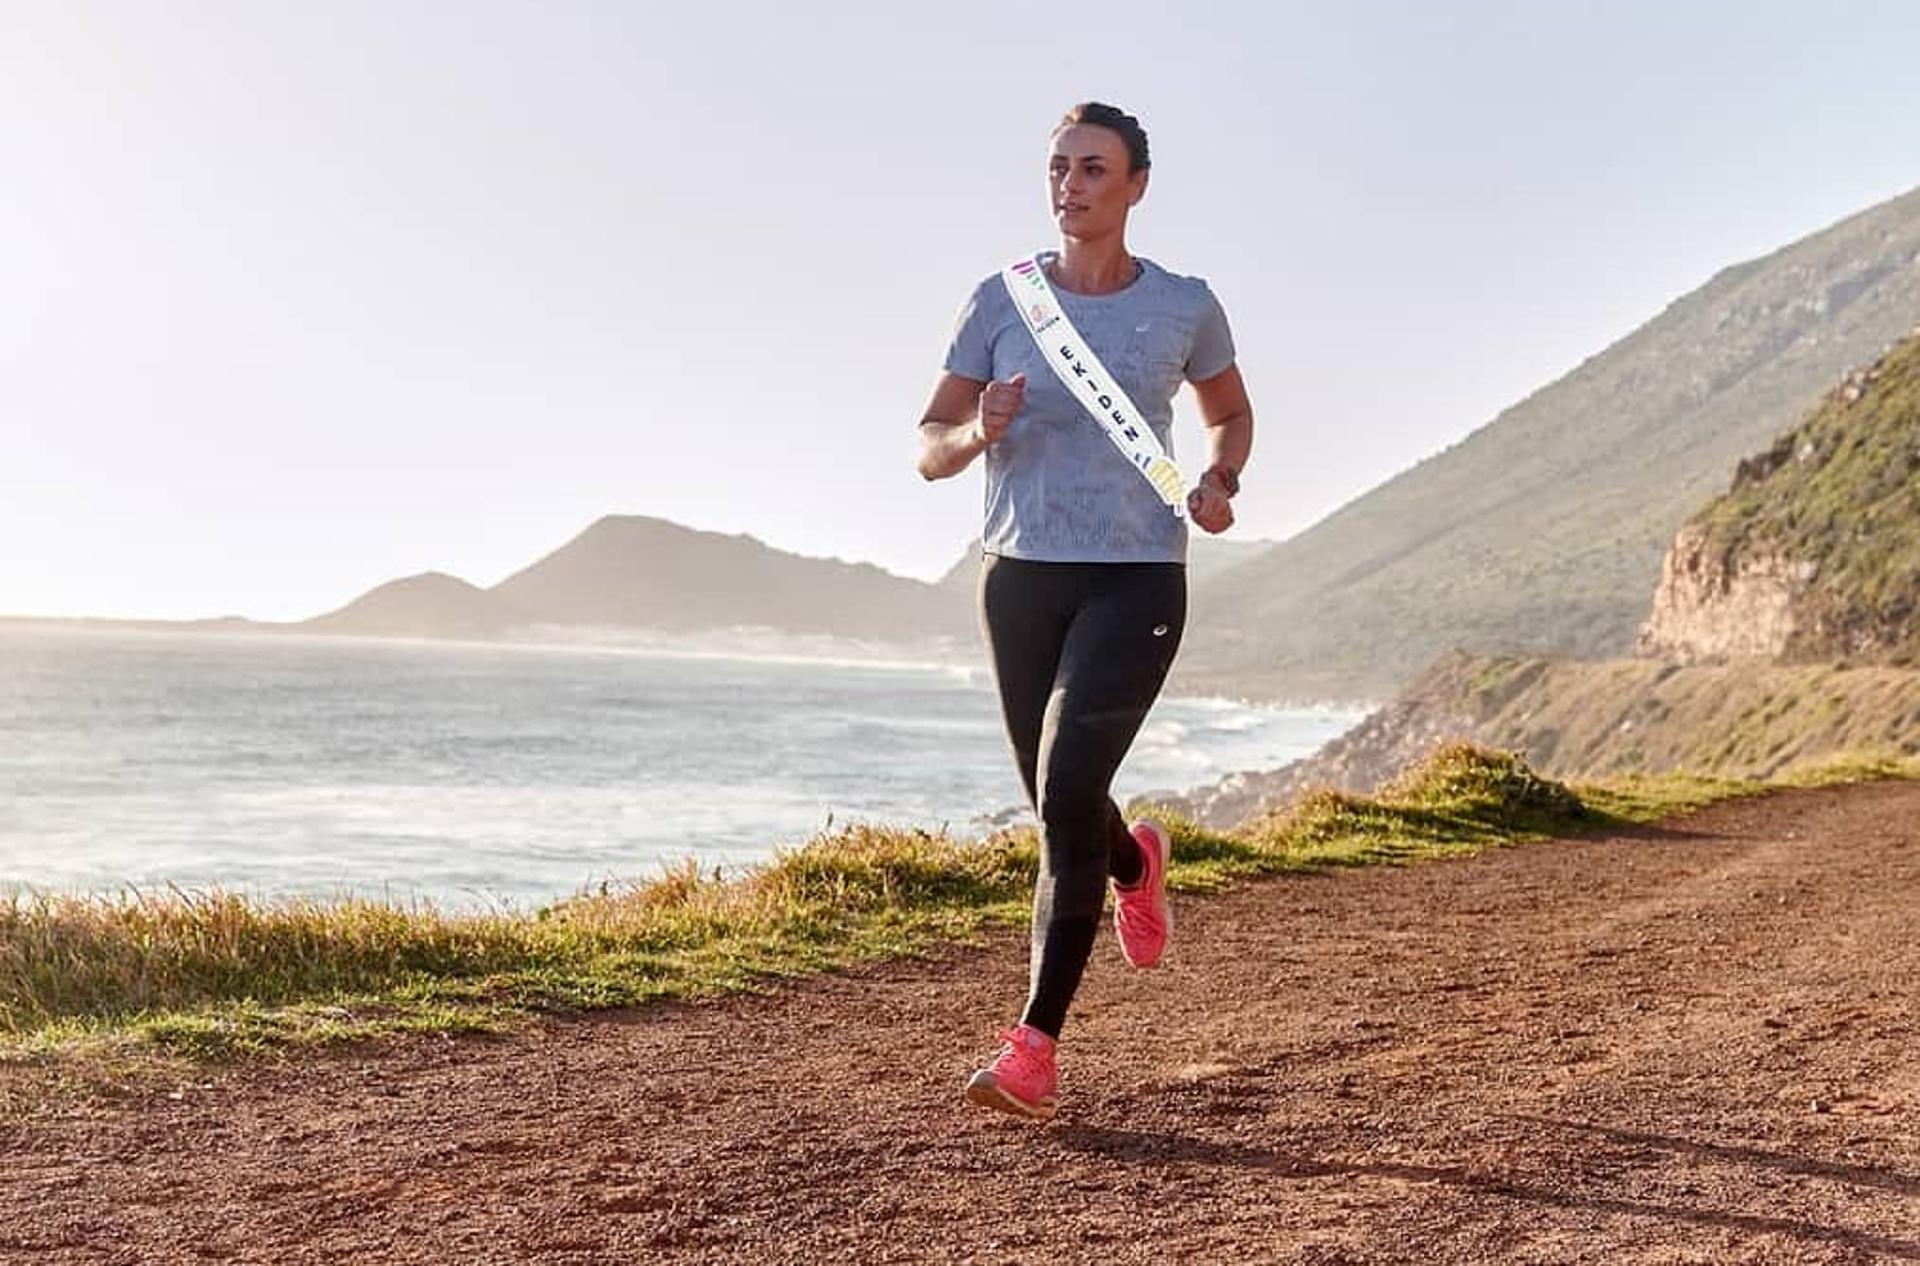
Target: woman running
1083	589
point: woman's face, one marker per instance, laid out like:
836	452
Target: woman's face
1088	183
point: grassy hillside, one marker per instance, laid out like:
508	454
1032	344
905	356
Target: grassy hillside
1607	719
1751	720
1543	532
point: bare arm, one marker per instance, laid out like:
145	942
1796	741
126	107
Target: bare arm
963	418
1227	415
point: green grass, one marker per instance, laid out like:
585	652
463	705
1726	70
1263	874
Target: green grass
1837	496
210	975
1849	768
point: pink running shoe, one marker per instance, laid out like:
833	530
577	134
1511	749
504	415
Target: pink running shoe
1022	1078
1141	916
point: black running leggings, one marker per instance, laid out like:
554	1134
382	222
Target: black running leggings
1079	652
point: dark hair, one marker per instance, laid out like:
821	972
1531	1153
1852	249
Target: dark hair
1114	119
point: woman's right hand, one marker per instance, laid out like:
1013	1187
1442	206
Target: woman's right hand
998	403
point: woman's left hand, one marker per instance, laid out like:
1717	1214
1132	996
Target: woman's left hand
1210	508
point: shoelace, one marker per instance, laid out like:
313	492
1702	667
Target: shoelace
1138	903
1028	1058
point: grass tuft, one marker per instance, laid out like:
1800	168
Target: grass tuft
213	975
1849	768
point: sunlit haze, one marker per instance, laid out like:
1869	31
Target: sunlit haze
303	297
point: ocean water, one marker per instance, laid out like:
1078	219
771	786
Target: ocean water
481	777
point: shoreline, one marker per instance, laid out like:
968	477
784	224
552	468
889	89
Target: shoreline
1193	745
750	644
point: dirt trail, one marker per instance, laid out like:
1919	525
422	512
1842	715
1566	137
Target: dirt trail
1691	1044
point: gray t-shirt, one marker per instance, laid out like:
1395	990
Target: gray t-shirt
1058	490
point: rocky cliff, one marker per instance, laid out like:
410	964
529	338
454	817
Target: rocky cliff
1814	553
1784	630
1713	606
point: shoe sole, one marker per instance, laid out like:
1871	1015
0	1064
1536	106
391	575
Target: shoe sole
986	1092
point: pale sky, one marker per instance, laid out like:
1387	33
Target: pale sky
298	298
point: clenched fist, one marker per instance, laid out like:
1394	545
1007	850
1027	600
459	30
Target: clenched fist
998	403
1210	508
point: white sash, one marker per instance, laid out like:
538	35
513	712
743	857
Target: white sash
1076	365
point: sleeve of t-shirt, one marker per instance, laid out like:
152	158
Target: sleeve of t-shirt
970	354
1212	342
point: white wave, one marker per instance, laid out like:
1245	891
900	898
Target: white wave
508	780
1163	732
1239	723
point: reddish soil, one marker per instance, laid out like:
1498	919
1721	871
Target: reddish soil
1690	1044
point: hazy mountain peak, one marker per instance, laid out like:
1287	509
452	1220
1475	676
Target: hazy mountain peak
430	604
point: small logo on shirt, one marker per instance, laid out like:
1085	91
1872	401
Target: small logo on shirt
1159	630
1143	327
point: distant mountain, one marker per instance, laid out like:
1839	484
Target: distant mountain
1206	556
432	604
1814	554
1543	532
632	572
